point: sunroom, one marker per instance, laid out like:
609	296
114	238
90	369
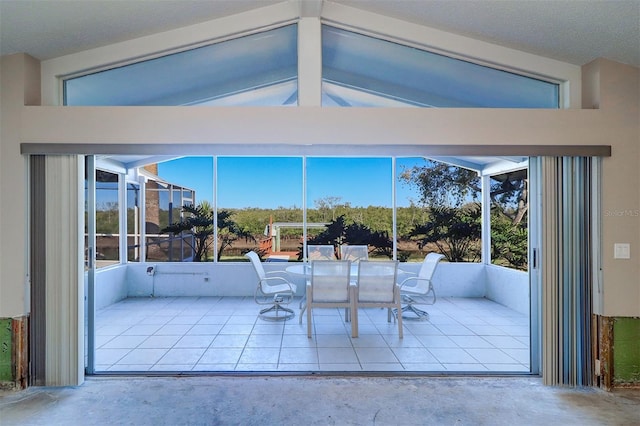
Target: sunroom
158	310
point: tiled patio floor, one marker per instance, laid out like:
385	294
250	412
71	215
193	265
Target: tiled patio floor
225	334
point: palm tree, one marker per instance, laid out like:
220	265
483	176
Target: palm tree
199	225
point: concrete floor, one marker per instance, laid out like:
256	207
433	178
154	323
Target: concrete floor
309	400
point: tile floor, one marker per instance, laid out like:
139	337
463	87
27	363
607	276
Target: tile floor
225	334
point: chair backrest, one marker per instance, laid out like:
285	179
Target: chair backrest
429	265
257	265
377	280
321	252
354	253
278	258
330	280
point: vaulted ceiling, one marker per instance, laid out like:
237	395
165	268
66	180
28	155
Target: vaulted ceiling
567	30
572	31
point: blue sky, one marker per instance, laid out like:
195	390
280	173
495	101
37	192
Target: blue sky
270	182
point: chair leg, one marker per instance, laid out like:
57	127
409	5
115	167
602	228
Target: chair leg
303	307
309	298
399	319
353	309
419	313
354	320
281	312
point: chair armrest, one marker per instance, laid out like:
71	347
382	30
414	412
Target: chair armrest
277	273
308	291
280	280
411	279
396	292
353	291
404	275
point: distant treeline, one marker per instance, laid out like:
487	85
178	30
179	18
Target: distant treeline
379	219
254	220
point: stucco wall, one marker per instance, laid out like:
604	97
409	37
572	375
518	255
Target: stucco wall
239	279
503	285
111	285
508	287
16	73
619	101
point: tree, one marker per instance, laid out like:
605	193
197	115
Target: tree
327	204
340	232
199	225
509	208
455	231
509	242
229	232
443	185
510	195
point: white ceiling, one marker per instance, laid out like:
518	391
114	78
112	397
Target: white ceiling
573	31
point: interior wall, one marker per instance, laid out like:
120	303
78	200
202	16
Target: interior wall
20	85
615	89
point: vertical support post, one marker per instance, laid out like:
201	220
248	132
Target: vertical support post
535	281
394	205
142	207
486	219
309	62
90	174
304	209
215	208
122	213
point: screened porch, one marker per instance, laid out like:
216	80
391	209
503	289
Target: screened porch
192	317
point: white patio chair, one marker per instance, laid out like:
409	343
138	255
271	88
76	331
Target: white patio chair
354	253
316	252
273	289
320	252
416	289
330	287
377	288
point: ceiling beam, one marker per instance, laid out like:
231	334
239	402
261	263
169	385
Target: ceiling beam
310	8
428	151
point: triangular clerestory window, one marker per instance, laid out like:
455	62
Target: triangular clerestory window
358	70
257	69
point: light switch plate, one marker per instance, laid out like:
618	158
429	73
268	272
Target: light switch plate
621	251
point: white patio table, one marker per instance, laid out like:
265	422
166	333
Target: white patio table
304	270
